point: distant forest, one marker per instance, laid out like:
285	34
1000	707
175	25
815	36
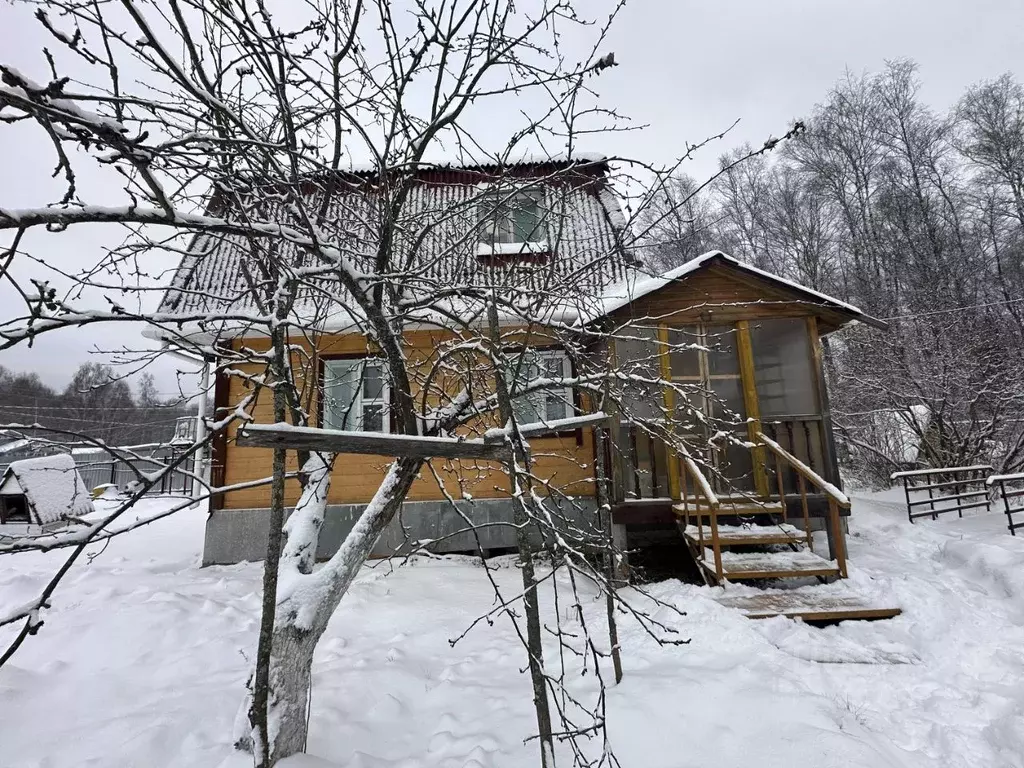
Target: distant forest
917	217
95	403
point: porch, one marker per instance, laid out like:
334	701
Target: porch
733	448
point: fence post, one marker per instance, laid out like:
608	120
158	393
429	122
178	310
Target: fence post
906	492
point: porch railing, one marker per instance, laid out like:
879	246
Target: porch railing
702	488
644	465
643	459
805	474
802	437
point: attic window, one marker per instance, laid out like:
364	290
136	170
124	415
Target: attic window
512	224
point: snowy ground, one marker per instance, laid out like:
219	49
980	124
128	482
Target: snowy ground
143	659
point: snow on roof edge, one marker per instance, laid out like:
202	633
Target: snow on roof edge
525	158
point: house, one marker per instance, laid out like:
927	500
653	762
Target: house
41	494
716	355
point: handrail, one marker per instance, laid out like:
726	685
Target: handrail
836	498
809	474
699	479
713	503
938	471
1011	478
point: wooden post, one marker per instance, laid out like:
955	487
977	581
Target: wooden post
634	460
782	489
837	533
669	396
807	517
716	548
906	493
684	488
831	469
750	402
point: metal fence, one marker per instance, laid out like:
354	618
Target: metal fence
949	489
100	467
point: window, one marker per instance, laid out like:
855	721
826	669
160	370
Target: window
783	368
356	395
511	218
13	509
549	403
636	355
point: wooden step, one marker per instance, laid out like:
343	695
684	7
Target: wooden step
805	604
768	565
738	508
747	535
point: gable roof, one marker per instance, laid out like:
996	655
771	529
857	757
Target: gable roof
52	485
437	230
638	284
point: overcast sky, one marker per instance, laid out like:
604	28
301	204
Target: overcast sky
687	69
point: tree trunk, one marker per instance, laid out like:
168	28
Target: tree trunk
522	494
307	600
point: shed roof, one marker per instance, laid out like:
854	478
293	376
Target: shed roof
53	487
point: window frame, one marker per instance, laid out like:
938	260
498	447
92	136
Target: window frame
5	511
493	201
569	394
358	402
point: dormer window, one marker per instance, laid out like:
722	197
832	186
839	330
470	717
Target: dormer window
512	223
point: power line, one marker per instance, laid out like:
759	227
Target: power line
954	309
102	408
57	420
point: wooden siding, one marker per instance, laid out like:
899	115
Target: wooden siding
564	460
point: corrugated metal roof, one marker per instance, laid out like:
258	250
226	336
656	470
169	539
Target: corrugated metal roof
437	239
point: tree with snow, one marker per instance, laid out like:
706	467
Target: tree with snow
258	129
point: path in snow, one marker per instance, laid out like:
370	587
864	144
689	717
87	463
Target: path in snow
143	659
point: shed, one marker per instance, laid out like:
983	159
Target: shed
43	491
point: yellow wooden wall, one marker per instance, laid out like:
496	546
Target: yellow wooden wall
562	460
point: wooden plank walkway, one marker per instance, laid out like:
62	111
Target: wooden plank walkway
807	605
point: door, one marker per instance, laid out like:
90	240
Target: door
710	413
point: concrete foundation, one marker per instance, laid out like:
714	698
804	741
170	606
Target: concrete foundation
236	535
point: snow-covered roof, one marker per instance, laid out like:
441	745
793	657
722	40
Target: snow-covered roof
438	227
54	488
637	283
14	445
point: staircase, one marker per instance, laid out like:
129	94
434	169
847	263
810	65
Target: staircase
740	537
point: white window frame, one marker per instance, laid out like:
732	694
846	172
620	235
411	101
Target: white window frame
498	233
540	399
351	414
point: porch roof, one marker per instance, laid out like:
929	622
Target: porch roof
637	284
